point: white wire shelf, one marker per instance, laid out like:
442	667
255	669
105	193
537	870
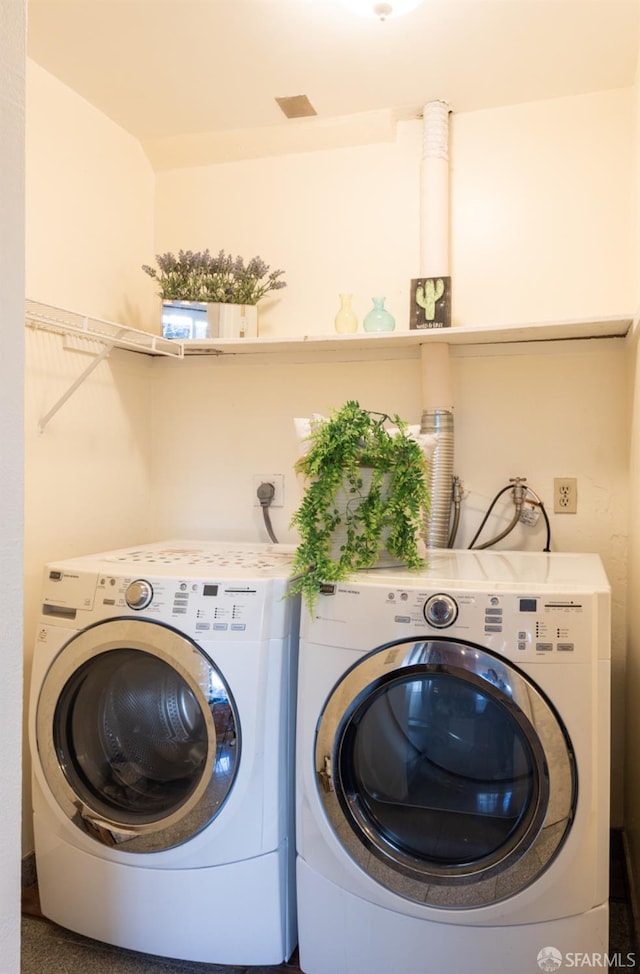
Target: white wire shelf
107	334
110	333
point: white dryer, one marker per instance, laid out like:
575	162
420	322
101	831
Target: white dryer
453	767
161	728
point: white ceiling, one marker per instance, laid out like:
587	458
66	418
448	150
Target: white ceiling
196	80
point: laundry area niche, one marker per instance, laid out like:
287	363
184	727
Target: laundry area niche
541	230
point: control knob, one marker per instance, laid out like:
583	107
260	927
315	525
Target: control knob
138	594
440	611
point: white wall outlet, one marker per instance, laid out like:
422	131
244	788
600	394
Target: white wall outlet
565	495
277	479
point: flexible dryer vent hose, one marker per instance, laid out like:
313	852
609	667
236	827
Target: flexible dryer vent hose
437	523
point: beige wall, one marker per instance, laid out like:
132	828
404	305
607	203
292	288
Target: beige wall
632	764
632	730
541	223
12	99
541	227
89	207
89	194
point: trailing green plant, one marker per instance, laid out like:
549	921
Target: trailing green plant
366	492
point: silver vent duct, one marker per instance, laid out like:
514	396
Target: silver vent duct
437	524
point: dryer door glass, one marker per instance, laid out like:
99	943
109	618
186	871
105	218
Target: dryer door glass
442	770
139	749
450	767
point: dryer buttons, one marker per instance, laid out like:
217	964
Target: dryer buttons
440	611
138	594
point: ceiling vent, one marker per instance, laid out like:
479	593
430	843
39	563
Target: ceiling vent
296	106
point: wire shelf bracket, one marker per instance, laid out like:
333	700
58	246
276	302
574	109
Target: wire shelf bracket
107	334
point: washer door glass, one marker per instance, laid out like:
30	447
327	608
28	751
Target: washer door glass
137	734
450	767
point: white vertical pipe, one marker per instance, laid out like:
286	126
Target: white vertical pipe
435	373
434	244
437	394
434	224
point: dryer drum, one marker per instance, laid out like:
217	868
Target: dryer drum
411	769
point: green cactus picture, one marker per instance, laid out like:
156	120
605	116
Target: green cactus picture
430	302
427	295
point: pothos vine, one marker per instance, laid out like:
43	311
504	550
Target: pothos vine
365	485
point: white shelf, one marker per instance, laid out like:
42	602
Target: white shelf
121	336
350	346
110	333
305	347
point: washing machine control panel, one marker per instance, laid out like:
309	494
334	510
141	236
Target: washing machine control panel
204	608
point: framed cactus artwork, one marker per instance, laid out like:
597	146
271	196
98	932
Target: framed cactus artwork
430	302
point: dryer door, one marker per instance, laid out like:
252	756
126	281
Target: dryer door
451	767
138	735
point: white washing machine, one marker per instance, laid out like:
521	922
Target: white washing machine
453	767
161	729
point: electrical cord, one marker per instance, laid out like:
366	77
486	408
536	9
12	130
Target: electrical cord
266	493
456	499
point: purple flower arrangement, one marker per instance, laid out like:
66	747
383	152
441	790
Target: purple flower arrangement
201	277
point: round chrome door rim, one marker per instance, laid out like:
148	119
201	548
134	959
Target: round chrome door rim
429	883
193	667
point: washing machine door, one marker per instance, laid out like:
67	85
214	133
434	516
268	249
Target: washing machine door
445	773
137	734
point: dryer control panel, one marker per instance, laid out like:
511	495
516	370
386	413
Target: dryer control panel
519	625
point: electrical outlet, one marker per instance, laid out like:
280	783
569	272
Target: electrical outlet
565	495
277	479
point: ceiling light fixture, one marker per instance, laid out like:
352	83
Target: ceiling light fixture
382	9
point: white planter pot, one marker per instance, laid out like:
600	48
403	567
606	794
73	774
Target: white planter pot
232	321
344	498
195	319
184	319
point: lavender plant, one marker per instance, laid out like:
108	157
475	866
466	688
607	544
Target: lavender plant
202	277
